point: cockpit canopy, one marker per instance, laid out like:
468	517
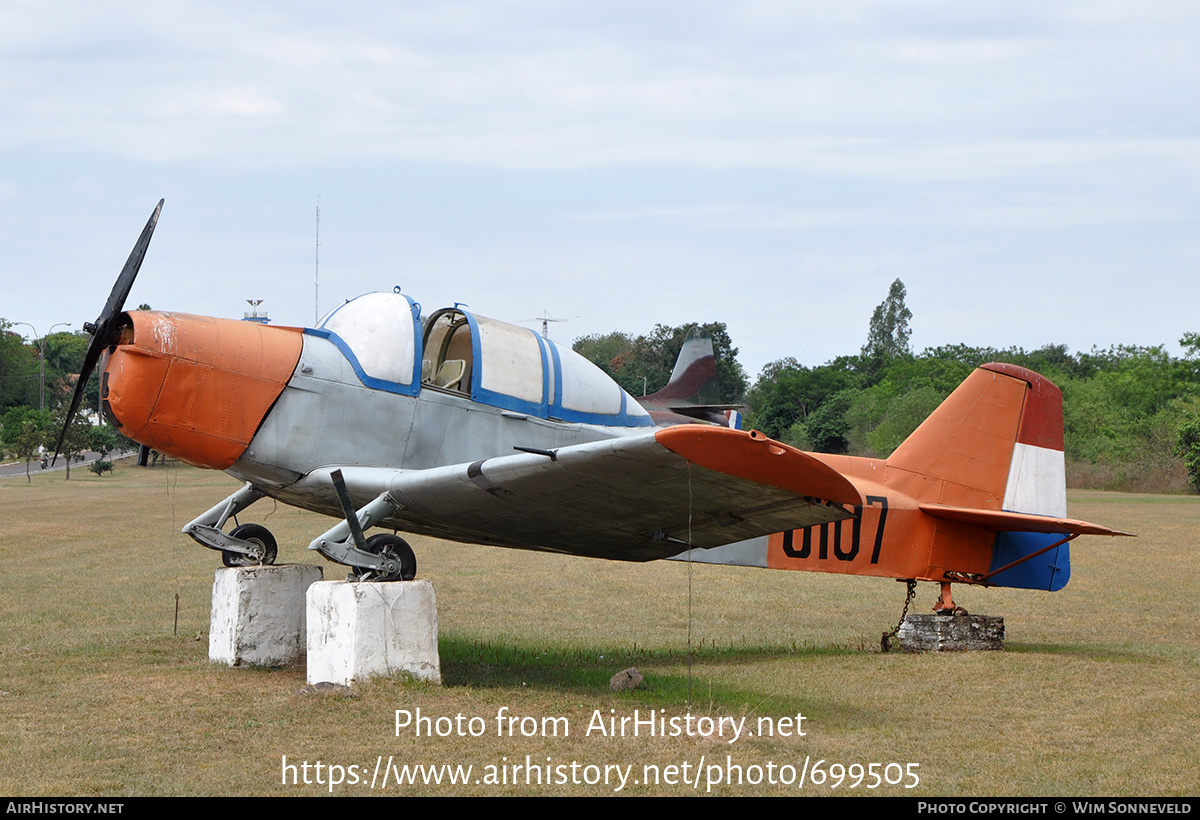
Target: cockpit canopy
458	352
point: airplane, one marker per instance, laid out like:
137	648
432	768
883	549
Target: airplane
462	427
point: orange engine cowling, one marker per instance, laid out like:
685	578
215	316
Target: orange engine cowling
195	387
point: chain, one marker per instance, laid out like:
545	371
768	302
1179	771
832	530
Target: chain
885	643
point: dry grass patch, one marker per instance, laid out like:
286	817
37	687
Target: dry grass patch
1095	694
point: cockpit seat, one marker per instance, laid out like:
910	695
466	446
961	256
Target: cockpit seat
450	374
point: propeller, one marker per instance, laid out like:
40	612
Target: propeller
105	322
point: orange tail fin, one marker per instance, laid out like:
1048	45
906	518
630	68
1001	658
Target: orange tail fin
996	443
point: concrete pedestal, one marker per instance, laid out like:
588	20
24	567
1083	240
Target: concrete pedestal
360	630
258	614
951	633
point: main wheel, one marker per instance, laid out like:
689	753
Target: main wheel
400	554
256	534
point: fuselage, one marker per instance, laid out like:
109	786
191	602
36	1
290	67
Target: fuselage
371	386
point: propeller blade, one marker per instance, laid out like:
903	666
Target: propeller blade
103	325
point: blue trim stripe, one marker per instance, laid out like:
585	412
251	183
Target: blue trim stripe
545	372
557	400
370	381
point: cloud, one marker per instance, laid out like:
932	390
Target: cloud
777	154
533	85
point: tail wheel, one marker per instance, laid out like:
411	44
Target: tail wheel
402	563
255	534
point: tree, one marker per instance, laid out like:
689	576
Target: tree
75	440
788	393
1191	354
902	416
102	439
25	429
18	369
607	351
1188	448
826	428
64	359
888	334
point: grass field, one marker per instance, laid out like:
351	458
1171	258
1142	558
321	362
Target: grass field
1096	693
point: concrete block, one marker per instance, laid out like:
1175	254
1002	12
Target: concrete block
258	614
360	630
951	633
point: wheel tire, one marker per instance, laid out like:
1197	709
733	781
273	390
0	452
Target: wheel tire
395	547
259	535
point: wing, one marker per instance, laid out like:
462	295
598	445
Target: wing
634	498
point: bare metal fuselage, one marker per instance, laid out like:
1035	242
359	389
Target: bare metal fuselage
327	418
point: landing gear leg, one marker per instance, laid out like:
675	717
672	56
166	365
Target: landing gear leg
381	557
246	546
945	605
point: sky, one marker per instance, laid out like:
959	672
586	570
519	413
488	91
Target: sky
1029	170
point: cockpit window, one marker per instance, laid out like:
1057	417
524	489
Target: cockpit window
586	388
491	362
449	353
512	361
379	331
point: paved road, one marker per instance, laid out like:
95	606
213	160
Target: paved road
17	468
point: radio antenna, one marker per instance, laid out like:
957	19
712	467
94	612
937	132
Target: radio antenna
317	266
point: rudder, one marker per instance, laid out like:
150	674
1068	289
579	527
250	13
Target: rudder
997	444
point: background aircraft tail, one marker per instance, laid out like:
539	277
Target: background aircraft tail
694	378
693	392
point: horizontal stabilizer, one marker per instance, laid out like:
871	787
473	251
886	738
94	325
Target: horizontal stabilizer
696	409
1001	521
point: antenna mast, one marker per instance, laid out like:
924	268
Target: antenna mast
546	319
317	266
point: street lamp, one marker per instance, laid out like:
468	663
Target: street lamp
40	341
